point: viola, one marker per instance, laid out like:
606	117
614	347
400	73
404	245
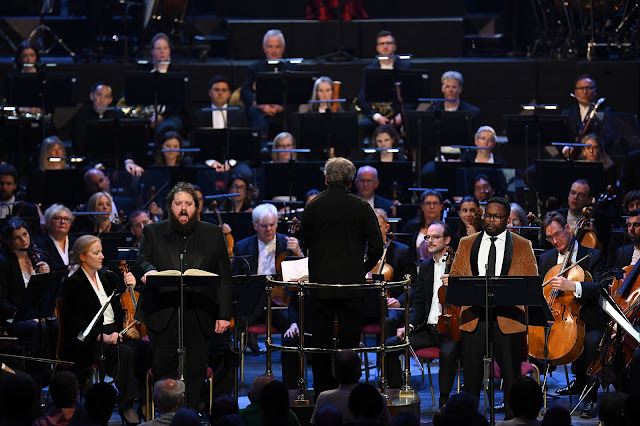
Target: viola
228	238
586	237
279	293
382	267
129	303
562	341
449	320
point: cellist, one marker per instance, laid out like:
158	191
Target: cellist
426	310
557	232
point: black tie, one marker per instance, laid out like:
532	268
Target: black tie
492	257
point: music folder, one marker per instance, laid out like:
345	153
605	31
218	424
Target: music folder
39	297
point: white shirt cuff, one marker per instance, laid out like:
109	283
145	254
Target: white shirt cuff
578	292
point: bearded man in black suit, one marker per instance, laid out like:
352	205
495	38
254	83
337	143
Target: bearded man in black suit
197	245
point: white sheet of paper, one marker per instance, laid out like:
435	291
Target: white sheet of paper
293	270
620	319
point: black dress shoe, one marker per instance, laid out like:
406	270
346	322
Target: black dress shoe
576	389
589	411
499	408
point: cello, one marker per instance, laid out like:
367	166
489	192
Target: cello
562	341
129	302
449	320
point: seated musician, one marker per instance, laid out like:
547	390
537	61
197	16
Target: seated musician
16	269
284	140
585	94
10	206
595	153
56	242
52	147
238	203
430	209
101	96
322	91
96	181
485	137
629	254
631	200
483	188
101	202
263	248
470	214
580	196
366	184
558	233
219	93
267	118
385	46
169	140
26	60
426	310
451	87
493	252
138	219
84	293
398	258
386	136
170	117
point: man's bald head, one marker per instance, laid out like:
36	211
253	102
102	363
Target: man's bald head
95	180
256	387
168	395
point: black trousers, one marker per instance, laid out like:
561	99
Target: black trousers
426	337
164	348
127	362
323	312
507	350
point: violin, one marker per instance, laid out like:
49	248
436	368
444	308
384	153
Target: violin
129	303
228	238
449	320
586	125
562	341
588	238
382	267
279	293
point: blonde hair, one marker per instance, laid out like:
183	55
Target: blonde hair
46	145
81	246
279	138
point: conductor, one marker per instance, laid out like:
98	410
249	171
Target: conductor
202	246
337	227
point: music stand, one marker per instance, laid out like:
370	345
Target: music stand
110	138
322	131
492	292
399	172
550	172
380	84
216	144
287	88
45	186
293	179
534	132
156	88
166	284
427	130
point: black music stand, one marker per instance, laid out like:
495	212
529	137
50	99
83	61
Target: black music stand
181	284
492	292
287	88
399	172
533	133
293	179
550	172
380	84
110	138
155	88
238	143
322	131
45	186
429	130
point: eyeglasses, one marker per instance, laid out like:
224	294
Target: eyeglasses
234	186
431	203
585	88
555	236
61	219
494	217
432	237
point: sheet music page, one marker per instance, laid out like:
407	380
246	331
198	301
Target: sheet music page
293	270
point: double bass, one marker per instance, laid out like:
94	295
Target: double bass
449	320
562	341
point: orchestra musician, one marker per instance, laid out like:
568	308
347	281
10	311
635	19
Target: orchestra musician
16	269
497	252
426	309
336	218
57	242
398	259
322	91
386	136
629	254
558	233
84	293
203	247
431	208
